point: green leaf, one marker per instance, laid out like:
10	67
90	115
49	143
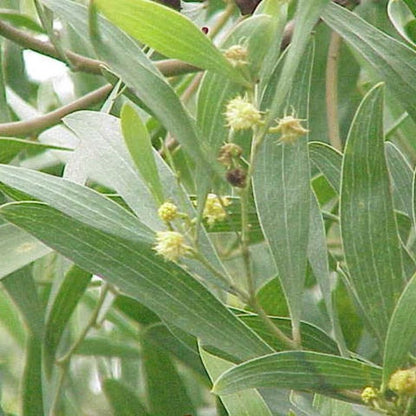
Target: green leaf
76	201
21	288
133	266
237	404
32	395
135	310
307	14
299	370
401	177
20	20
402	18
11	321
10	148
368	224
106	347
313	338
281	184
123	401
109	157
174	35
165	390
330	407
126	59
272	298
328	160
393	60
182	346
60	308
137	140
401	334
18	249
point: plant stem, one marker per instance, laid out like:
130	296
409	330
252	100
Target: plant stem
258	137
332	90
64	361
232	288
222	20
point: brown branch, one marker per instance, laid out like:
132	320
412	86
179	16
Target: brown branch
332	91
168	67
38	124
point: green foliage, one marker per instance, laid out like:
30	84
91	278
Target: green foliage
279	276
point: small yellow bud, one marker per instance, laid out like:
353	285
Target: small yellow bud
167	211
369	394
404	382
237	55
241	114
290	128
213	210
171	245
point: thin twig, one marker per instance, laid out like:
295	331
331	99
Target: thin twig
332	90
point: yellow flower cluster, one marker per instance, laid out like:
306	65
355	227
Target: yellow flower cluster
214	209
167	211
369	394
404	382
290	128
241	114
171	245
237	55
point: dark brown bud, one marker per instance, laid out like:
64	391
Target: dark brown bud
236	177
247	6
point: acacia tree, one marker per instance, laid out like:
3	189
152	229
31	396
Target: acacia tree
221	221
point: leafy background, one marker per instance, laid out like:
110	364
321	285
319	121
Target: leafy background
93	321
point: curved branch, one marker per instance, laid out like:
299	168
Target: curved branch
168	67
38	124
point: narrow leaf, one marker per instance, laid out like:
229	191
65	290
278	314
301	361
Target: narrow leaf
158	366
32	394
328	160
299	370
401	335
282	185
237	404
123	401
368	225
403	19
18	249
402	178
137	140
126	59
134	267
21	288
61	306
174	35
393	60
